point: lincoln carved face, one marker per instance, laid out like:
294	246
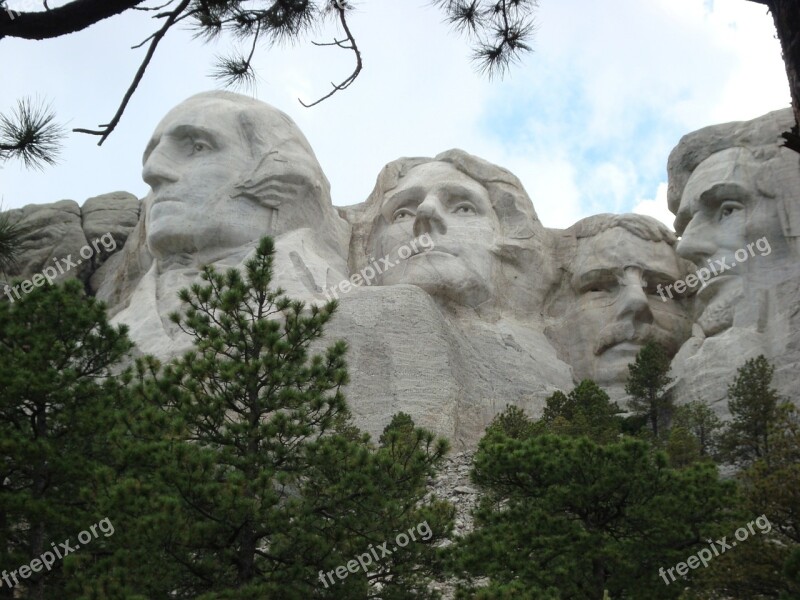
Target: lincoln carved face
225	170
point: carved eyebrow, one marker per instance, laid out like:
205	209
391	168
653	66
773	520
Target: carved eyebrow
420	191
711	197
658	275
190	131
392	202
719	192
581	280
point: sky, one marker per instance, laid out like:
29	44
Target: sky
586	121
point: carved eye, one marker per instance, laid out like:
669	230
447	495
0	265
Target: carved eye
199	146
728	208
464	209
600	285
598	288
402	214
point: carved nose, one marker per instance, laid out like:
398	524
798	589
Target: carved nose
158	170
429	218
632	302
697	243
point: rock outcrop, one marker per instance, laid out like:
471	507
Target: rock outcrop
454	299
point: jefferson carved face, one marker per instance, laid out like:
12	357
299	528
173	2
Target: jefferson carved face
437	199
617	307
222	169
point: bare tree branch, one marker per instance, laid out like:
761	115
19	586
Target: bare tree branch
62	20
153	8
340	7
109	127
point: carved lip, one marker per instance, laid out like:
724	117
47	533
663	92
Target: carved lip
626	346
435	250
163	199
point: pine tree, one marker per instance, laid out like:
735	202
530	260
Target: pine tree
243	476
586	410
57	401
565	517
753	404
766	565
11	235
700	421
515	423
647	383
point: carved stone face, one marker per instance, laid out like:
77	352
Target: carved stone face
225	170
617	307
717	202
455	211
192	163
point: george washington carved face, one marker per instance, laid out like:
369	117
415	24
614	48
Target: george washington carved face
225	170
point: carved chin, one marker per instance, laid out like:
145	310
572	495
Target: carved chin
165	238
717	315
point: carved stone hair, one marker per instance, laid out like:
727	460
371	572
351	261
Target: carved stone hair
514	209
642	226
760	139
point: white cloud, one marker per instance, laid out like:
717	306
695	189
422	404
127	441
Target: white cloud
657	207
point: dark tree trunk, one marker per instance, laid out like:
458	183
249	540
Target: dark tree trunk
786	15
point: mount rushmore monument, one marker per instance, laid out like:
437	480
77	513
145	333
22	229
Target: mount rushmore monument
453	297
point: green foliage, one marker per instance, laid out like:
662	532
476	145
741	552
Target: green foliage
57	401
11	235
647	383
514	423
771	486
704	425
573	518
682	447
586	410
357	496
243	476
753	403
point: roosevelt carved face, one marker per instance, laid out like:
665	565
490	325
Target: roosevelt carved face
455	211
225	172
617	307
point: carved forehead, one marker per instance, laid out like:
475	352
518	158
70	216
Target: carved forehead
730	169
212	116
734	165
435	174
616	248
252	124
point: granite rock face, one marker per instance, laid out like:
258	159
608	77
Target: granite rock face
64	240
735	192
453	298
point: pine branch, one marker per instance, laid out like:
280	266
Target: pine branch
31	134
502	29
